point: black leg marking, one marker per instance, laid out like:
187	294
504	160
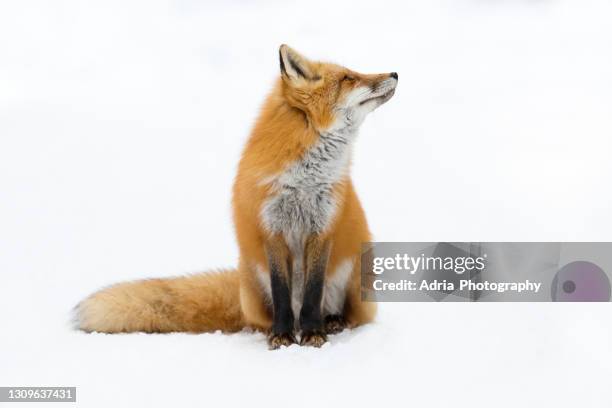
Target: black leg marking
310	315
281	298
283	320
311	323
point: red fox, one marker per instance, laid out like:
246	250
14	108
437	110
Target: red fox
299	224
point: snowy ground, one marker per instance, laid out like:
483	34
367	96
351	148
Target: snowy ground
121	123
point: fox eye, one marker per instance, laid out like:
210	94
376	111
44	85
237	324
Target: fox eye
348	78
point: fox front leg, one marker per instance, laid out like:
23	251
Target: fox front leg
279	262
316	255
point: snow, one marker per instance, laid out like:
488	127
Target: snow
121	123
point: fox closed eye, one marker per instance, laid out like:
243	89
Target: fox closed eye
348	78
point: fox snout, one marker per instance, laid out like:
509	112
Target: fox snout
381	89
389	81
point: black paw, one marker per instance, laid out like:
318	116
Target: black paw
314	339
275	341
334	324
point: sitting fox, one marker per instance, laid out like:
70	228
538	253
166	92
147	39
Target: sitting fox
298	222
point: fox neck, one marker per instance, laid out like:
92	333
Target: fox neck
305	194
326	161
284	135
323	155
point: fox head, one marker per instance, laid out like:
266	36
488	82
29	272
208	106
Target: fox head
332	97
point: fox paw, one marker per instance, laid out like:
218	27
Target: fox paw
275	341
314	339
334	324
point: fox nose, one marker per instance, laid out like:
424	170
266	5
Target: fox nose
394	75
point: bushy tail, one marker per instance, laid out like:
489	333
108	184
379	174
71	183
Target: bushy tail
196	303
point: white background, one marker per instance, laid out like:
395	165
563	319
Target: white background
121	124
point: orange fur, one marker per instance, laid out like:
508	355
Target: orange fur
289	124
166	305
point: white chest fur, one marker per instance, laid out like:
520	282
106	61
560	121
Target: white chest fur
303	200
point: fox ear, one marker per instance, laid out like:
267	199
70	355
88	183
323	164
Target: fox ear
294	66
